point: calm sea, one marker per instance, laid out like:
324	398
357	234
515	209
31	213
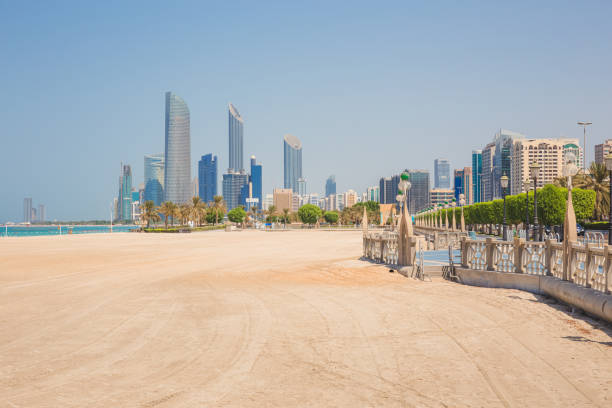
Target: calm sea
20	231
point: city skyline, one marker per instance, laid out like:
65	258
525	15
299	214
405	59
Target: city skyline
352	101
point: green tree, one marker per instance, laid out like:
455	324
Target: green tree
331	216
149	212
237	215
597	181
285	216
309	213
218	207
198	209
167	209
584	203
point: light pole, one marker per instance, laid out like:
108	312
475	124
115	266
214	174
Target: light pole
584	125
402	190
608	161
462	203
454	222
504	184
534	169
527	187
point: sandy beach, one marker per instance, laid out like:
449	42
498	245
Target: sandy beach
279	319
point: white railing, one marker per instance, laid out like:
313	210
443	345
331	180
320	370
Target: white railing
381	247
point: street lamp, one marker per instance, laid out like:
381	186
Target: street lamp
454	223
584	125
504	184
402	189
534	169
608	161
462	203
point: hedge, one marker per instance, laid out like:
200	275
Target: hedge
551	208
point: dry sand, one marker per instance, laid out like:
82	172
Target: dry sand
274	319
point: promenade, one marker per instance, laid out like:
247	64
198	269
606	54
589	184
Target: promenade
280	319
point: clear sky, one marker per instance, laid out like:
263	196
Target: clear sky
369	87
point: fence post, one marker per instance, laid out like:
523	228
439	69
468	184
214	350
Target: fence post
489	251
464	252
587	263
548	256
606	269
518	252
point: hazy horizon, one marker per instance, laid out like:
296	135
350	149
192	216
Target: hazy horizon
369	90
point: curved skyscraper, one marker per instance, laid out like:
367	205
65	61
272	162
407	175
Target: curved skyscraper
177	175
293	161
154	178
236	129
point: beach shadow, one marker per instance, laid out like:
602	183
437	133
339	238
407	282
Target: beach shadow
585	340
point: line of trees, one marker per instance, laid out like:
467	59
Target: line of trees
551	208
196	211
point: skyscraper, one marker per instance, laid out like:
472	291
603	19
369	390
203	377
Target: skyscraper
236	139
177	171
330	186
232	186
125	193
476	175
442	174
418	195
42	214
293	161
487	184
207	175
257	182
602	150
27	209
301	186
154	178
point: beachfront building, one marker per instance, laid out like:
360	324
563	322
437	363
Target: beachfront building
257	182
124	198
207	177
154	178
292	147
177	170
232	187
236	139
442	173
283	199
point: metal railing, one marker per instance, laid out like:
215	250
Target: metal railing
587	265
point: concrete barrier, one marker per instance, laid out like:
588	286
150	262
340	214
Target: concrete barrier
588	300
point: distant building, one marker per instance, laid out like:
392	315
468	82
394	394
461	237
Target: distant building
441	196
195	188
296	202
301	186
486	173
476	175
283	199
207	176
27	209
154	178
177	177
388	189
502	161
418	195
236	139
602	150
34	216
350	198
442	173
292	147
340	204
463	185
550	154
232	186
268	201
373	194
257	182
330	186
125	193
42	214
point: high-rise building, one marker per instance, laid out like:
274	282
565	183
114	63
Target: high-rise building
476	175
154	178
292	161
388	189
42	214
257	182
330	186
373	194
268	201
502	160
550	154
486	173
207	176
232	186
463	185
301	186
236	139
27	209
418	195
602	150
350	198
283	199
125	193
442	174
458	175
177	170
441	196
339	202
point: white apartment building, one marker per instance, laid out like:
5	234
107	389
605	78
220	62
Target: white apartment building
550	154
350	198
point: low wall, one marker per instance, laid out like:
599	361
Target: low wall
589	300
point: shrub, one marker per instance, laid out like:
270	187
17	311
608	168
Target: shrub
309	213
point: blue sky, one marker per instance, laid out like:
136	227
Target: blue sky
369	87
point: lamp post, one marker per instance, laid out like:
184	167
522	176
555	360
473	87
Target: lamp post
462	203
402	190
608	161
504	184
454	222
584	126
534	169
527	187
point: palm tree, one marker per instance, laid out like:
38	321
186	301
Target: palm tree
253	212
184	213
167	209
149	212
272	212
197	208
218	205
285	216
596	180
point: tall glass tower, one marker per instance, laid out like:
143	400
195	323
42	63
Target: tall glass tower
330	186
177	172
442	174
154	178
126	193
477	175
236	139
293	161
256	180
207	177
